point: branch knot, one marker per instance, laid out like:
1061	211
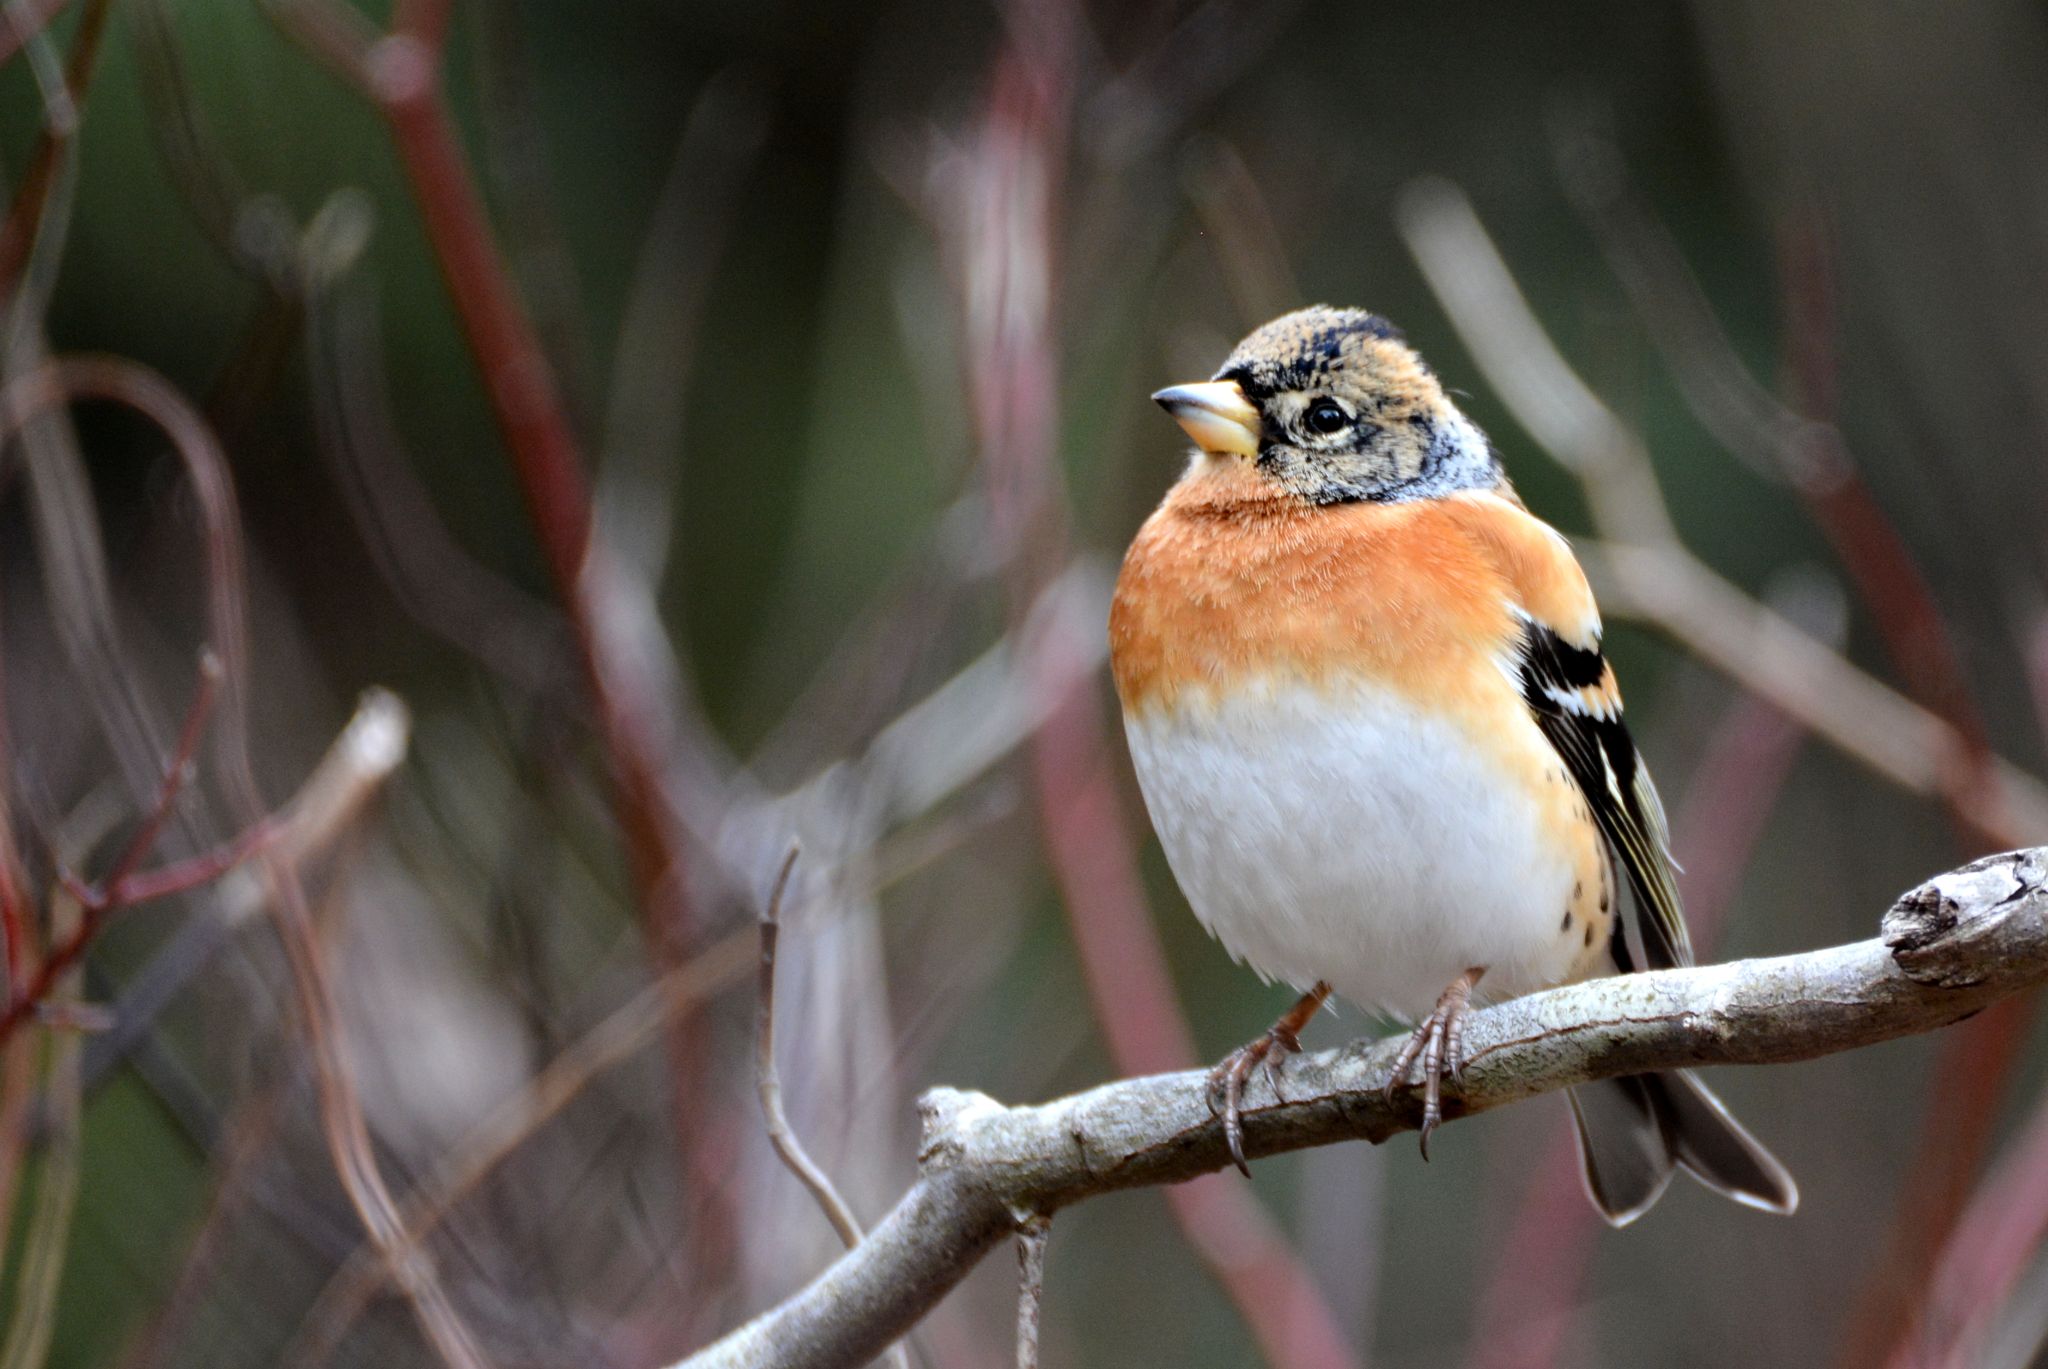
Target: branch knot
943	1114
1964	927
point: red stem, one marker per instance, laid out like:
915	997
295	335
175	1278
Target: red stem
13	925
403	74
1993	1244
545	454
100	902
25	217
179	769
1976	1058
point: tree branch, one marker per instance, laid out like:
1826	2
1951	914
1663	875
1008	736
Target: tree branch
1948	948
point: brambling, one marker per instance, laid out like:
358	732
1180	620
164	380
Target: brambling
1367	707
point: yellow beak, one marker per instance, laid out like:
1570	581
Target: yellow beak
1215	414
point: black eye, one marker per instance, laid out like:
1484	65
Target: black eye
1326	416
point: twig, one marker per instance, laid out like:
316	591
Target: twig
115	892
519	638
177	773
347	1135
14	930
661	323
46	184
768	1084
1948	948
47	1237
100	902
46	1233
1032	1235
244	1142
485	1146
68	542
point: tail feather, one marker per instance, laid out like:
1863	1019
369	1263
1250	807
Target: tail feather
1623	1156
1633	1130
1717	1150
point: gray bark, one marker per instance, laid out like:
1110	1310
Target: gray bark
1946	949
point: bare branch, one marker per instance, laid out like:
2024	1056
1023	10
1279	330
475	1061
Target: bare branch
1948	948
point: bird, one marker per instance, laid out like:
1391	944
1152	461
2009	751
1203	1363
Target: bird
1368	711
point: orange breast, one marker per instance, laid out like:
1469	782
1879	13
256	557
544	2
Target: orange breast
1225	583
1228	586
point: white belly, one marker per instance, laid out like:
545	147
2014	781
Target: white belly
1343	836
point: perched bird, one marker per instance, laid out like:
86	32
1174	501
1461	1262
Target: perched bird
1367	707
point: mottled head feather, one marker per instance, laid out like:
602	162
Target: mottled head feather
1400	436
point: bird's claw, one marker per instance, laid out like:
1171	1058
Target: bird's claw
1439	1042
1227	1081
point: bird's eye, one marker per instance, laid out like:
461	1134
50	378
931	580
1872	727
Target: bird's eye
1326	416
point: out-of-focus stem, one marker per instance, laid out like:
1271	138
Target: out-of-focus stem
1010	270
401	73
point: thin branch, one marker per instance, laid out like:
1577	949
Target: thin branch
114	380
477	1155
1948	948
47	183
123	886
768	1083
46	1241
1032	1235
177	772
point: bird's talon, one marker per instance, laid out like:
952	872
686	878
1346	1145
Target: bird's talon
1226	1095
1228	1079
1233	1120
1439	1043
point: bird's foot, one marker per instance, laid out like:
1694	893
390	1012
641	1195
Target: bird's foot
1227	1080
1439	1042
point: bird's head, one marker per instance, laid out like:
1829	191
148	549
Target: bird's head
1334	406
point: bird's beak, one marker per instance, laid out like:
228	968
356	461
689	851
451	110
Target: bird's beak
1215	414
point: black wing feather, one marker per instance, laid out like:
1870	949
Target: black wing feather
1596	748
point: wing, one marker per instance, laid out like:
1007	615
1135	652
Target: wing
1570	690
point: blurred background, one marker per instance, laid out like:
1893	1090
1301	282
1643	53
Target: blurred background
837	322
